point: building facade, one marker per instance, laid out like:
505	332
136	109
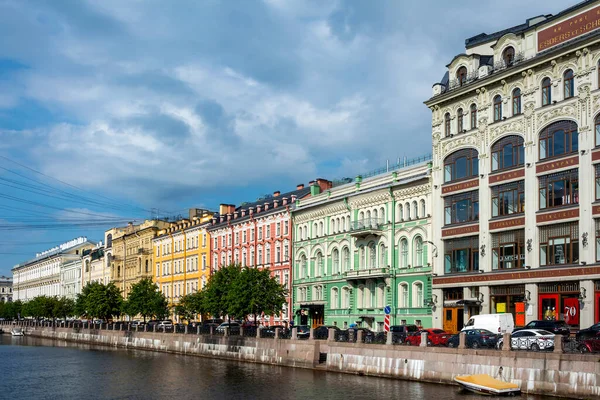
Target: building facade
44	275
259	234
181	256
6	291
362	246
70	278
516	174
96	266
131	253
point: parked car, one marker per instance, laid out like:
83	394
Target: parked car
497	323
475	338
322	332
165	326
589	333
556	327
351	335
234	328
435	337
152	323
212	321
135	324
400	332
269	331
303	331
530	339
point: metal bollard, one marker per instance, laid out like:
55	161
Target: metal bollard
212	330
198	330
558	344
154	328
186	329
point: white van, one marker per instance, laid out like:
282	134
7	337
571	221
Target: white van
497	323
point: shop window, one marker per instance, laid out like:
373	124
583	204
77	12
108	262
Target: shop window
508	249
461	164
516	101
559	189
508	199
461	255
558	139
461	208
559	244
508	152
559	302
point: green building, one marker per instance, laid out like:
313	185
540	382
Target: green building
363	245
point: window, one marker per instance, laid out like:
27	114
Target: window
417	295
404	253
559	189
559	244
268	231
345	297
418	252
346	259
597	127
447	125
460	118
497	108
216	243
508	56
303	267
260	233
461	255
423	212
268	254
372	255
546	92
203	262
415	210
569	85
382	255
407	209
461	208
508	249
508	152
286	227
403	295
380	296
252	235
286	251
204	240
473	116
461	75
460	165
362	261
508	199
597	168
278	254
334	301
559	138
319	264
516	101
259	261
597	222
336	261
278	229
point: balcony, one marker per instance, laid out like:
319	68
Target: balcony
360	274
365	227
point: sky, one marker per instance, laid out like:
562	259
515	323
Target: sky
111	110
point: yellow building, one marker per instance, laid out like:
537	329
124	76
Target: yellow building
131	253
182	256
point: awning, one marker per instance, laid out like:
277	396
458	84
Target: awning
366	317
461	303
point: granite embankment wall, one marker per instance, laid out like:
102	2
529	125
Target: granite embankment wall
553	373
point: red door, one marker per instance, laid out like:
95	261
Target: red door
548	306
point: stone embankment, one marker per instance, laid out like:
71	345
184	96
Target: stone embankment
550	373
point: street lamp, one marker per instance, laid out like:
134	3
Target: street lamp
435	250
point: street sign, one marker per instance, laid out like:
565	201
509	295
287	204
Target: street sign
387	310
386	323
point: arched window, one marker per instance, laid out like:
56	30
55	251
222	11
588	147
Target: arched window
418	252
345	297
109	240
417	295
403	295
508	152
497	108
559	138
508	56
369	294
597	130
407	211
360	297
447	124
147	267
404	253
303	266
516	101
332	223
461	164
546	92
415	210
423	211
372	255
87	266
382	256
382	215
336	261
459	123
461	75
319	264
380	296
400	216
362	263
569	84
334	301
321	229
346	259
473	116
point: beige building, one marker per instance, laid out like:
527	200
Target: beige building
95	266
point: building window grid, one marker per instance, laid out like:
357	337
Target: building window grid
447	125
516	102
461	164
508	199
559	189
597	222
568	84
508	152
560	138
597	169
460	121
497	108
546	92
461	208
559	244
473	116
461	255
508	249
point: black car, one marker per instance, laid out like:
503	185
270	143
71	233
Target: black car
589	333
400	332
322	332
556	327
476	338
351	335
303	331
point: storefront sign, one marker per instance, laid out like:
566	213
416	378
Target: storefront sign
526	275
455	187
558	164
463	230
507	223
571	28
596	155
571	311
500	308
595	210
513	257
555	216
506	176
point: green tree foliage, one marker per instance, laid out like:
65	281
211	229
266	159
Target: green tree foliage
11	310
255	292
146	300
216	293
97	300
190	306
64	308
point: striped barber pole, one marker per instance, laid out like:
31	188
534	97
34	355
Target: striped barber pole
386	323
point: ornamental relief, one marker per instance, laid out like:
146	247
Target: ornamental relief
567	111
463	141
415	191
512	127
373	200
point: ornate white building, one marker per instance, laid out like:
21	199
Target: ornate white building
50	273
6	291
516	143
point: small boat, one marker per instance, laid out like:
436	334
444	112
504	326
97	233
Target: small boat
16	332
485	384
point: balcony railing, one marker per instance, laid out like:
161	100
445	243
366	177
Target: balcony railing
380	272
366	226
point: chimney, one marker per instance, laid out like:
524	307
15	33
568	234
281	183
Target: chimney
231	209
275	203
324	184
276	194
266	206
228	217
285	200
258	208
314	189
293	198
222	218
223	209
235	215
250	210
243	212
311	183
300	186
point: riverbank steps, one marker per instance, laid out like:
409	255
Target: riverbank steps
548	373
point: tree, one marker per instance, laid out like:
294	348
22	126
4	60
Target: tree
216	299
64	308
11	310
190	305
97	300
146	300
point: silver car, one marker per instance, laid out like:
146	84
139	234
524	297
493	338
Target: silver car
530	339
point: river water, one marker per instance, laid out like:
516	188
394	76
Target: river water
32	368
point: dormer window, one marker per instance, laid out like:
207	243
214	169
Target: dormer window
508	55
461	75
